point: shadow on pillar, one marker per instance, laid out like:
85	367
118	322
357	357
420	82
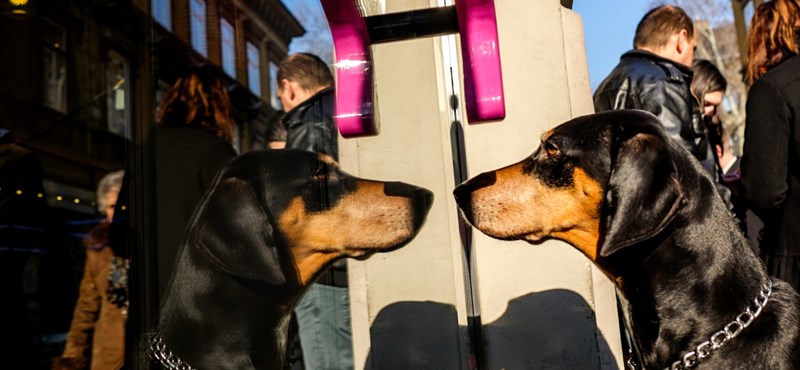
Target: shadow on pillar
553	329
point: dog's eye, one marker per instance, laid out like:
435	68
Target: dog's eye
550	148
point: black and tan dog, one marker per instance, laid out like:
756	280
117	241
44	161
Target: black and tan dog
270	223
614	186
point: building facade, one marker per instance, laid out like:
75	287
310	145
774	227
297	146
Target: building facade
79	88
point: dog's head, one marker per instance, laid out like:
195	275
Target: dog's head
272	211
600	182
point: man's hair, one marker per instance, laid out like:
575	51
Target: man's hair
308	70
659	24
773	34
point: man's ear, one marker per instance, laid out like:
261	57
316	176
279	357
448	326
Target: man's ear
683	41
643	193
236	233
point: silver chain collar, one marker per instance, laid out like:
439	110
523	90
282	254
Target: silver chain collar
704	350
717	340
158	349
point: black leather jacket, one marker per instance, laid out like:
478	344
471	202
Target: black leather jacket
643	80
310	126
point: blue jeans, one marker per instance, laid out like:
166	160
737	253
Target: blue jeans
323	319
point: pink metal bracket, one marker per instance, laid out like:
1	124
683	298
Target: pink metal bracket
353	107
483	79
475	21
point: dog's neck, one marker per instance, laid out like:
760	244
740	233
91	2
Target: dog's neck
246	331
676	299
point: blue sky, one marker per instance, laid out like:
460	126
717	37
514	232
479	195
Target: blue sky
608	27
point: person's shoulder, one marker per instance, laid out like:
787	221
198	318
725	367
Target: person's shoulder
191	138
785	74
649	67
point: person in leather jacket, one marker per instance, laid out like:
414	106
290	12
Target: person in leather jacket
306	90
655	76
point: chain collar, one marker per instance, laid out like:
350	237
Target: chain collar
704	350
717	340
169	360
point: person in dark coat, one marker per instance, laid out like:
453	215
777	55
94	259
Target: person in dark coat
771	158
192	141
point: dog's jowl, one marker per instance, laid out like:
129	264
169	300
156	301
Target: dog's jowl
270	223
635	202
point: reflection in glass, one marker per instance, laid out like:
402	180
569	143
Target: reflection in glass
197	8
116	98
162	13
273	90
228	48
54	66
253	69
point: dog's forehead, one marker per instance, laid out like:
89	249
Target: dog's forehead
577	134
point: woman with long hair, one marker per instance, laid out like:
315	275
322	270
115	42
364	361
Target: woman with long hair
193	140
771	158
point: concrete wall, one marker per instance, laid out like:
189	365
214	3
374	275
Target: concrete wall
541	306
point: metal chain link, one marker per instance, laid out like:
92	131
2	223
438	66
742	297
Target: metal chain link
717	340
160	352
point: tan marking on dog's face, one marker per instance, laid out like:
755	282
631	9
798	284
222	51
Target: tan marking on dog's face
547	134
518	205
363	222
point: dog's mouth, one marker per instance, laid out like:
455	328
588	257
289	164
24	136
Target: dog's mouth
534	238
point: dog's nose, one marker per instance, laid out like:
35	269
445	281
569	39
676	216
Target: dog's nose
463	195
463	192
423	198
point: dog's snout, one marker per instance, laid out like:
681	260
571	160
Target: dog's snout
463	191
421	197
424	197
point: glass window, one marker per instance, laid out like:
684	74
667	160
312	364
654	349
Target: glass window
54	66
228	47
253	69
162	13
273	89
117	106
197	8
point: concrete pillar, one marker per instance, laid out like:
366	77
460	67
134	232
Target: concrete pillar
541	306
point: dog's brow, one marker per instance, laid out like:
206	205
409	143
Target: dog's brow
327	159
547	134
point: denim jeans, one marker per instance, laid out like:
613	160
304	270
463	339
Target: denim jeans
323	318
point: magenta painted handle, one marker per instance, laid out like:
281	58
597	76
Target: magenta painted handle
353	108
483	78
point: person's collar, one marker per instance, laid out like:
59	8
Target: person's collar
310	100
639	53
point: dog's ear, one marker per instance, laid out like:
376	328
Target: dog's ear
643	193
237	234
